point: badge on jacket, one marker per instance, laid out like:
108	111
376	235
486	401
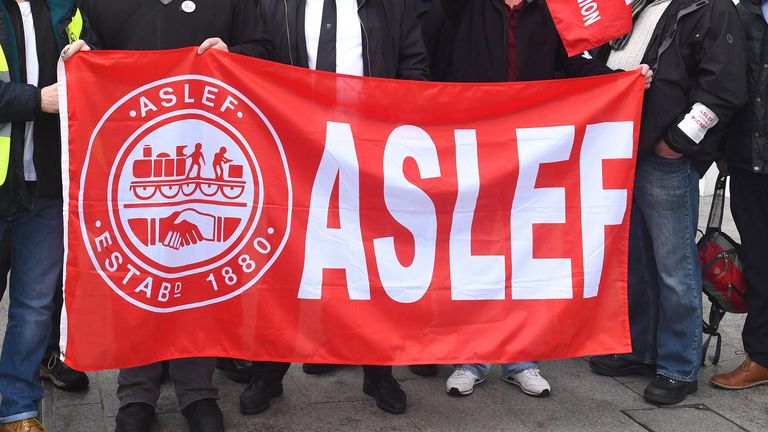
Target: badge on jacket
188	6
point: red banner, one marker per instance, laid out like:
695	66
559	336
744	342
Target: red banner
586	24
219	205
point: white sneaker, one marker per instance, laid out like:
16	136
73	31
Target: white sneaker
462	383
530	382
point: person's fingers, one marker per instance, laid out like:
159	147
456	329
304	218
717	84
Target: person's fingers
207	44
70	50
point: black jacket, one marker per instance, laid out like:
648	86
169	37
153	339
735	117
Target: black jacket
747	140
697	55
57	22
152	25
472	46
392	41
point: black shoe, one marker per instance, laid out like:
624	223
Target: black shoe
204	416
135	417
389	396
425	370
613	365
317	368
237	370
255	398
62	376
667	391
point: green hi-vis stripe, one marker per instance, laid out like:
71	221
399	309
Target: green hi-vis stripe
5	156
3	65
75	27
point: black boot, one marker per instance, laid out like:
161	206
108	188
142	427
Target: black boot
615	365
389	396
237	370
318	368
135	417
425	370
255	398
62	376
204	416
668	391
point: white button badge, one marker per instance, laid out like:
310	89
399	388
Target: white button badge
188	6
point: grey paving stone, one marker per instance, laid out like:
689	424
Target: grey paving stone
80	418
580	401
107	389
283	416
683	418
62	398
358	416
341	385
432	409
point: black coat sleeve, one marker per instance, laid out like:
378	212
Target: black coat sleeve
18	102
413	61
579	66
248	33
721	83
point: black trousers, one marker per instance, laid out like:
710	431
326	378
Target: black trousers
273	372
749	206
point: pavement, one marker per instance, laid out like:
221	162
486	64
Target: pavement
580	400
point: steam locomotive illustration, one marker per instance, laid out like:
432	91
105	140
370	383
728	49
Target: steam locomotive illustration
171	176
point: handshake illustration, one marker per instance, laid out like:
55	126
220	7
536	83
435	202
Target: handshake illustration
183	228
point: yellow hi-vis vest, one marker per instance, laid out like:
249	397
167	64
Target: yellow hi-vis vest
5	128
73	29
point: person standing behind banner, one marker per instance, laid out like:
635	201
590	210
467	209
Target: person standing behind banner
166	24
698	52
375	38
470	49
32	36
746	160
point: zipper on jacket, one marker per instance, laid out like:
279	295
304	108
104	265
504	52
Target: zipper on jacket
288	33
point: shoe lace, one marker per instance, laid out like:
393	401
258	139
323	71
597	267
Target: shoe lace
27	425
461	373
52	360
747	361
533	373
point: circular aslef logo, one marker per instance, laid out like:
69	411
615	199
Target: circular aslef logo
185	194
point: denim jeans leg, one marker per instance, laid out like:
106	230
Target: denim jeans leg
508	369
668	199
37	255
479	369
642	286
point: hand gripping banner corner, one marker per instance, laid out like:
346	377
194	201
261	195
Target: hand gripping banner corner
219	205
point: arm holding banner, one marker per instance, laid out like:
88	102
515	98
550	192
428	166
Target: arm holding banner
18	102
719	92
248	36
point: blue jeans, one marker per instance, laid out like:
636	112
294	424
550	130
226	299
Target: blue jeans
481	369
664	271
37	252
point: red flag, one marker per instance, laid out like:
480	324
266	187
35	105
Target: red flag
586	24
219	205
